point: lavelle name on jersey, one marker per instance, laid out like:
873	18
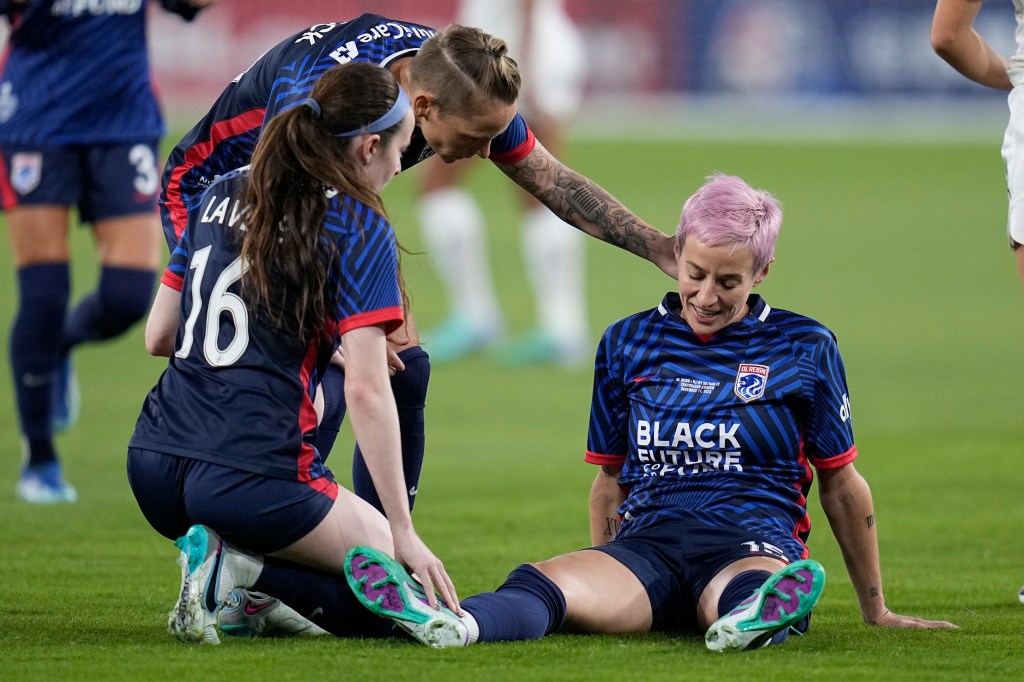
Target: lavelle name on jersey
227	211
76	8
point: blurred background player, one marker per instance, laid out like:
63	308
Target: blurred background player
550	53
954	39
708	413
79	126
281	261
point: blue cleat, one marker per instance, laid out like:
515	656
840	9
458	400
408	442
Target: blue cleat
45	484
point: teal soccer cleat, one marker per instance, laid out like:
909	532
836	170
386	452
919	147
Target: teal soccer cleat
783	600
384	587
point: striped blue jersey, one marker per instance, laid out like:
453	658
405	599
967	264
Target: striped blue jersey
722	431
238	392
282	78
78	73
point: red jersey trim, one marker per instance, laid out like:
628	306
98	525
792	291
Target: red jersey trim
197	154
173	280
802	529
322	485
837	461
391	318
8	198
517	154
307	415
604	460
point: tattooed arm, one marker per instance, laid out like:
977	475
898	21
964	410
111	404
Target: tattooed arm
605	498
846	499
581	203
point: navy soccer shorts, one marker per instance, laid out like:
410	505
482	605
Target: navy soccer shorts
258	513
104	181
676	557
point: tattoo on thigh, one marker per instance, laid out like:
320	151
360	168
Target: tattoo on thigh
870	520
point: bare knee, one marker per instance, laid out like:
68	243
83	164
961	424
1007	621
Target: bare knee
602	596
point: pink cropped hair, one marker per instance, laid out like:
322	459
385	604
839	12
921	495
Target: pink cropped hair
727	211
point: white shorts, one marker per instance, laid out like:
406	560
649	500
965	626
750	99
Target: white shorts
1013	155
554	70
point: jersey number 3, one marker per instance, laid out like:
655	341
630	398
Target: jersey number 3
222	302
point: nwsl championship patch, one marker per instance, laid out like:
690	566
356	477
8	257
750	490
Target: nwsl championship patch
750	382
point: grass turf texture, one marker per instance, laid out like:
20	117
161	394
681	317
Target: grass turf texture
899	249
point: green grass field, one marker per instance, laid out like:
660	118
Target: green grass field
899	249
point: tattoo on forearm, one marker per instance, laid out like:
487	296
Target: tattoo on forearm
873	592
583	204
611	526
870	520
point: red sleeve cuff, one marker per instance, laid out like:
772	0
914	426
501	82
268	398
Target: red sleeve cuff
835	462
604	460
391	318
517	154
173	280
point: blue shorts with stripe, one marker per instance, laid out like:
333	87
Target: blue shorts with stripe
675	558
257	512
104	181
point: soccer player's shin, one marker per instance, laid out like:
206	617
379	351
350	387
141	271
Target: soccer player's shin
410	389
121	299
527	606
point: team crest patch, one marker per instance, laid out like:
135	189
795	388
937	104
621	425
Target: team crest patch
26	172
750	382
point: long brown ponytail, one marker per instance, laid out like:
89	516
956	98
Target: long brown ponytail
296	160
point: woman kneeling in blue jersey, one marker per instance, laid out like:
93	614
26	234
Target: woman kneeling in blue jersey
279	263
708	412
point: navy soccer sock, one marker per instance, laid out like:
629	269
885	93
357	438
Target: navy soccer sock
333	386
410	389
35	349
322	597
527	606
741	587
120	300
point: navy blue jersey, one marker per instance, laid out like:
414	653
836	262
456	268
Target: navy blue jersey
284	76
725	430
237	391
78	73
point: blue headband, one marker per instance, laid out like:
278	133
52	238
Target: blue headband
395	114
313	105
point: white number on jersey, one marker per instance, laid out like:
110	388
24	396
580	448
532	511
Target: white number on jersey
221	302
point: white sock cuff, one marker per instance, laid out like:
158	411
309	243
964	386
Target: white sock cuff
472	627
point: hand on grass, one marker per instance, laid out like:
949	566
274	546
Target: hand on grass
894	620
